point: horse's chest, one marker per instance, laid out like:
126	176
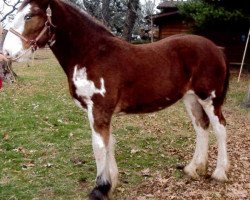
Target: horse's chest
84	89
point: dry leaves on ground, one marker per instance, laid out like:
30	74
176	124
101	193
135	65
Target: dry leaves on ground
163	185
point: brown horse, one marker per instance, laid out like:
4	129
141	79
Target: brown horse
107	76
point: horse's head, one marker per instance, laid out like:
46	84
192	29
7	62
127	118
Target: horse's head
31	29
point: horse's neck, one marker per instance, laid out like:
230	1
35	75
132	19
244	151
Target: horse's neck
77	35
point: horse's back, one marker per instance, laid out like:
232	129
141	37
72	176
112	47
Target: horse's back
191	58
162	72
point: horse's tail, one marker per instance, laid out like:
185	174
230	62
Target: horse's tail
226	81
219	100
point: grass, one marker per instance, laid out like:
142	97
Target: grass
45	140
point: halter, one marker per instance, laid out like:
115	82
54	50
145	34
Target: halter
47	27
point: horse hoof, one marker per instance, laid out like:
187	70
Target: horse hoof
220	175
180	166
202	169
96	195
191	172
100	192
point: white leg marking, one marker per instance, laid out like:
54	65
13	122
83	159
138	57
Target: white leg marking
100	153
12	43
104	155
113	170
200	157
220	132
99	148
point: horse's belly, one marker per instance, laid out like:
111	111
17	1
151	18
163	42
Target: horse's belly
146	106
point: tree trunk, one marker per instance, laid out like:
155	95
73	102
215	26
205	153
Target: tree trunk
106	12
131	17
152	28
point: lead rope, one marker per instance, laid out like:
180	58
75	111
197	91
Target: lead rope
33	58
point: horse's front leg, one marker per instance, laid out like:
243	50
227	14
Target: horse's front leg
103	147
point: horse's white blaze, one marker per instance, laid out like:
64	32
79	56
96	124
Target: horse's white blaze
13	44
220	133
200	157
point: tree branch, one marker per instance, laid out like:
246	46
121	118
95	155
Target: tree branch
5	2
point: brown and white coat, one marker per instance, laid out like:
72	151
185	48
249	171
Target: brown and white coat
107	76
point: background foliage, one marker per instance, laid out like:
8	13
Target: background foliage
219	15
117	11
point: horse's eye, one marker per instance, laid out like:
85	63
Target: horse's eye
27	17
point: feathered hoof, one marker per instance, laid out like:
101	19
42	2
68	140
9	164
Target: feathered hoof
191	172
202	169
220	175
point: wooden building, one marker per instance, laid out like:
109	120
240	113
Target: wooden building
171	22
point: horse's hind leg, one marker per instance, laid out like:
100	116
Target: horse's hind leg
198	164
218	123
